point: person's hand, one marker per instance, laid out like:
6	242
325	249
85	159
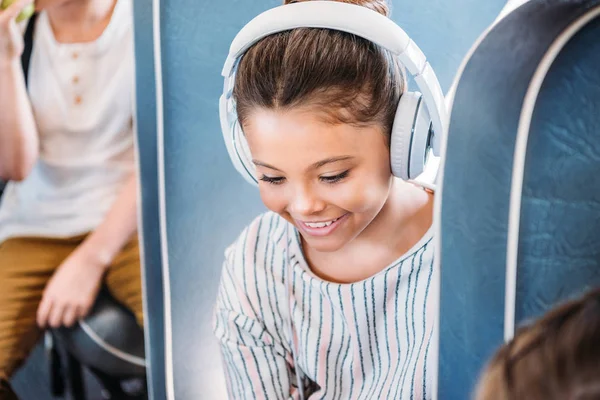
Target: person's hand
72	290
11	38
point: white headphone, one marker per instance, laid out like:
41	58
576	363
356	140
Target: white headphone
416	128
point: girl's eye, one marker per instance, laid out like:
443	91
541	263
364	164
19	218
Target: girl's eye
335	178
277	180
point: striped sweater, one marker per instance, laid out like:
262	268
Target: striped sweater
366	340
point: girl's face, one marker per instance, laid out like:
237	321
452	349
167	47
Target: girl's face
330	181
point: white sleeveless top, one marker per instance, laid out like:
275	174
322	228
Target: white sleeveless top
82	98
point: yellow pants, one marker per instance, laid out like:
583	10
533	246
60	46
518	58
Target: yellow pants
26	265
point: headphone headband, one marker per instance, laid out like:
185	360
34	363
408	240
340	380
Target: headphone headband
345	17
350	18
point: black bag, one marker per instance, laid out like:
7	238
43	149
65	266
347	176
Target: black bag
28	39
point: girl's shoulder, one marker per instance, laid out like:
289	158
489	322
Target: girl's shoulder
253	275
259	243
252	285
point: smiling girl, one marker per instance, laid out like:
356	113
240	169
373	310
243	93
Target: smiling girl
332	292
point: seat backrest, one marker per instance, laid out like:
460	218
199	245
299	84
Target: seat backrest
150	244
194	204
521	193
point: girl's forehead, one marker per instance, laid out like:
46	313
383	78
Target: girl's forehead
276	131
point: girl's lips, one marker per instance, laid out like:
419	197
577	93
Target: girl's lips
324	231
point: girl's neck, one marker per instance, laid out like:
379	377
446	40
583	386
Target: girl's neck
407	206
80	21
404	219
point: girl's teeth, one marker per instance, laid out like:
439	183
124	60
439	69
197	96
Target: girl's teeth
319	224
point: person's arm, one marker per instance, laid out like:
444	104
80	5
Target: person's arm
118	227
256	366
71	291
19	143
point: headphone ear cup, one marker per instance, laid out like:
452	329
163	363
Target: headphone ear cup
235	141
419	151
402	134
242	149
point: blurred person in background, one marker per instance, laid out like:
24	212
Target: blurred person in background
557	357
68	218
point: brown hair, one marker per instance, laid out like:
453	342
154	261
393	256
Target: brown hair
350	78
555	358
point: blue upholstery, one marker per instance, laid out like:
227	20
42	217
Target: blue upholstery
207	204
559	242
150	232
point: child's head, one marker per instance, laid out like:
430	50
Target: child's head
317	107
341	77
555	358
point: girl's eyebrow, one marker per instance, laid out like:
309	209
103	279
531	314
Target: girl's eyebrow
316	165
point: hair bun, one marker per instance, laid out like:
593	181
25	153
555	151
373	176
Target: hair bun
380	6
